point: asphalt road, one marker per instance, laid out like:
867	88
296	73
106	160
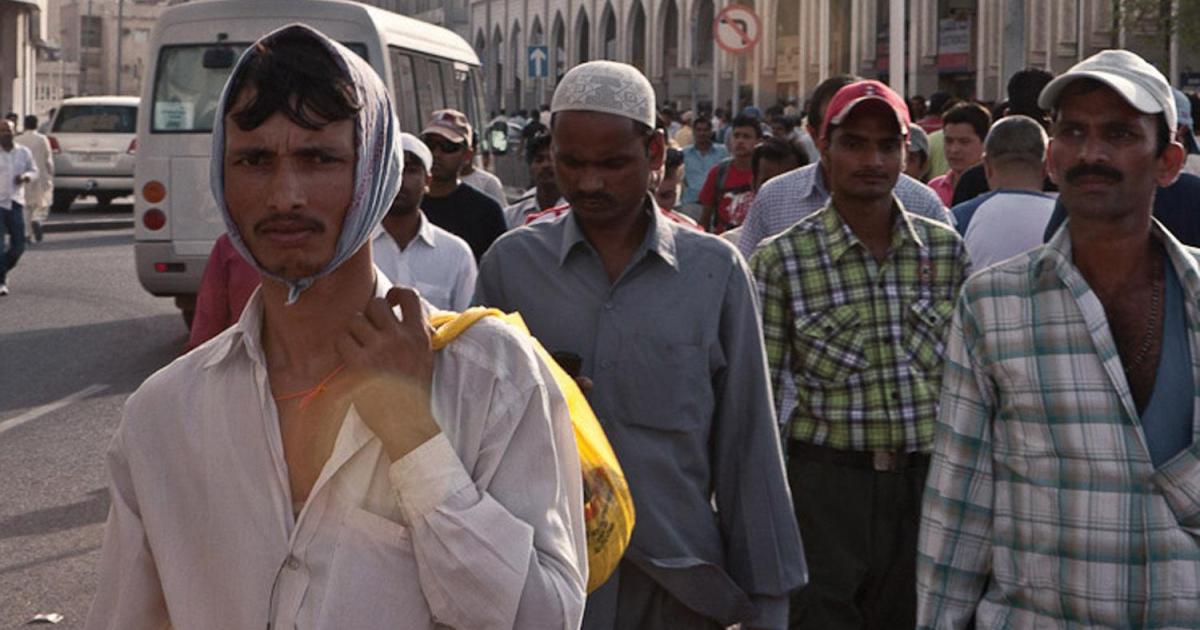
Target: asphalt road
77	335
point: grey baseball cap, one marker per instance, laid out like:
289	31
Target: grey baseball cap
918	140
1138	82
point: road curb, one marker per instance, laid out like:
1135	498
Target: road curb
87	225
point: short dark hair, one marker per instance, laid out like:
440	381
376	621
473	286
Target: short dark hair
294	74
822	94
939	101
702	119
777	150
1023	90
535	145
972	114
31	122
745	120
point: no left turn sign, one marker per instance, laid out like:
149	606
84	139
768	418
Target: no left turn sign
737	28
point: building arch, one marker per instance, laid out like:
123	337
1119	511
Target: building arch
558	47
497	55
638	47
671	43
583	31
516	69
608	34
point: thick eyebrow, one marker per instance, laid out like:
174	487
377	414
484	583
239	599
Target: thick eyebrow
319	150
251	152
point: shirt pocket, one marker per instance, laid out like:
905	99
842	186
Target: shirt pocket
925	325
373	580
669	385
830	345
437	295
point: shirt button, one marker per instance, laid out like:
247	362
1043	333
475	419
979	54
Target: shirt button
608	306
887	339
895	395
292	562
606	364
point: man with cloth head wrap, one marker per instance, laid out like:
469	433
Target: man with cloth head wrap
317	465
663	318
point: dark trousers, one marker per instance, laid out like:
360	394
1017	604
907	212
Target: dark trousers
632	600
859	527
12	224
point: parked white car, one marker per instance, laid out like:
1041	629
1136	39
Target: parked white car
93	139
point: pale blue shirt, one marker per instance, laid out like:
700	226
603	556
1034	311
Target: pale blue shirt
696	166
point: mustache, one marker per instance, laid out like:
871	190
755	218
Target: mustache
290	220
1094	170
869	173
595	198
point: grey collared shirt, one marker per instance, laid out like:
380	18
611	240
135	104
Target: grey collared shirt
674	348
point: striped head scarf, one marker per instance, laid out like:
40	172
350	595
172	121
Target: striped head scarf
379	159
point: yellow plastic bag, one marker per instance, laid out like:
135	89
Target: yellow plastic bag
607	505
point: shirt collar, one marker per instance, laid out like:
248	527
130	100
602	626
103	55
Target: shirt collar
1055	261
247	332
660	236
839	238
425	232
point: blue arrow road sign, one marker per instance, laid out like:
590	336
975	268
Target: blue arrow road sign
539	61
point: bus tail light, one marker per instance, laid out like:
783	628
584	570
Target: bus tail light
154	191
154	219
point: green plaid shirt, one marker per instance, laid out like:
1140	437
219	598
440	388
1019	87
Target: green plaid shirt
1042	506
862	341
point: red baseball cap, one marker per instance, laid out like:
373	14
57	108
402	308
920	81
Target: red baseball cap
860	92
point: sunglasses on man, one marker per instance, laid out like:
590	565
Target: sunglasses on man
445	146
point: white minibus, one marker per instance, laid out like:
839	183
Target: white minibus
194	48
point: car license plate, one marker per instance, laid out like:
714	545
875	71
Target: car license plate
95	158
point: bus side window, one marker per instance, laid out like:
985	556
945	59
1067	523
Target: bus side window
424	87
405	87
453	88
437	80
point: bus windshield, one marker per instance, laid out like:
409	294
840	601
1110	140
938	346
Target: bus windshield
186	93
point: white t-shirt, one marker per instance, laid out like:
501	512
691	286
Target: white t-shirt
1006	223
436	263
487	184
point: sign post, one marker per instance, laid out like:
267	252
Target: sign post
539	62
736	29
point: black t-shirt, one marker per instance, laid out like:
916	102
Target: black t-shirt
468	214
1177	207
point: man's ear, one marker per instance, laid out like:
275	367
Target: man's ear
1170	163
657	149
1050	161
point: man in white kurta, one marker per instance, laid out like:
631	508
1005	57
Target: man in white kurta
39	193
446	489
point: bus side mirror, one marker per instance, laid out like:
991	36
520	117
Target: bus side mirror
219	58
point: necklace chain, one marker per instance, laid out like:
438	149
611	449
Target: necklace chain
1156	289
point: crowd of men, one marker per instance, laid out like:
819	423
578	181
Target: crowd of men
857	407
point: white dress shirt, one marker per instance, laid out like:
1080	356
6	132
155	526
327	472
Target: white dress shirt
40	190
436	263
19	161
479	527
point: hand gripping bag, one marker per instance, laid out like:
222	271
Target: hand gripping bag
607	505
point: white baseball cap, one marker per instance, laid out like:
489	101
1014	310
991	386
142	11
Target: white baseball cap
1138	82
412	144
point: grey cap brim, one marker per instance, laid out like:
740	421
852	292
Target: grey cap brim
1139	97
